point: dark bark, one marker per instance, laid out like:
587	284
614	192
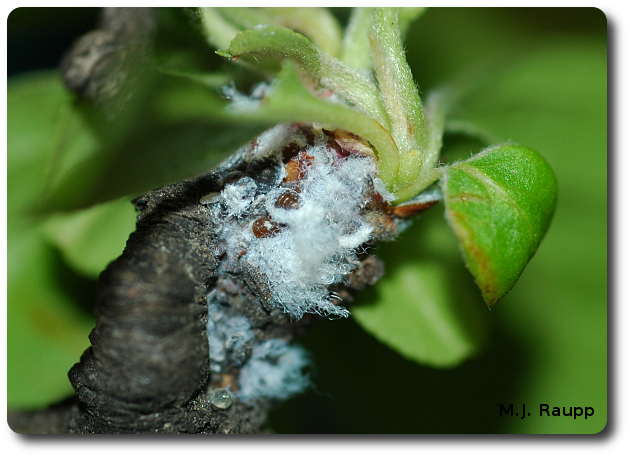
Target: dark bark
148	368
150	349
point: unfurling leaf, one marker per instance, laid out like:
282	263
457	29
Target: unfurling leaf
277	43
499	203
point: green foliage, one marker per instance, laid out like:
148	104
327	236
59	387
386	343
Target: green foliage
552	100
290	101
414	315
406	161
180	132
277	43
499	203
48	313
542	82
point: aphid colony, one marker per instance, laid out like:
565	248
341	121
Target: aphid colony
306	205
298	218
273	368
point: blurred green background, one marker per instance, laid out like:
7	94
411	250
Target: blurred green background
543	84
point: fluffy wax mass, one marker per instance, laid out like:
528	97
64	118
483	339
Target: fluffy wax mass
275	371
238	197
272	369
228	337
319	240
310	244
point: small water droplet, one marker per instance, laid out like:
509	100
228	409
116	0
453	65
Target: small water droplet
221	398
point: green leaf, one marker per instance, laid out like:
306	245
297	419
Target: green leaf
354	87
46	329
216	28
33	108
183	131
90	239
318	24
437	105
280	43
214	80
417	171
416	316
499	203
276	43
245	18
47	326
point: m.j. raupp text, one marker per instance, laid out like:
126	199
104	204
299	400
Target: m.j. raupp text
549	411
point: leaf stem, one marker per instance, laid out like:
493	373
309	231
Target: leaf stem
424	180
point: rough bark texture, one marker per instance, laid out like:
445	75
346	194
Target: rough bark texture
148	368
150	350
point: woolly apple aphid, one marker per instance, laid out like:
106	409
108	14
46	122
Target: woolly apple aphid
264	227
288	200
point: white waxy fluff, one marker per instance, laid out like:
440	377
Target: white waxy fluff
317	246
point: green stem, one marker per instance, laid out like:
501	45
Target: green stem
423	181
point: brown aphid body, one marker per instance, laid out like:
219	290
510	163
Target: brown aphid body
288	200
292	169
296	167
265	227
